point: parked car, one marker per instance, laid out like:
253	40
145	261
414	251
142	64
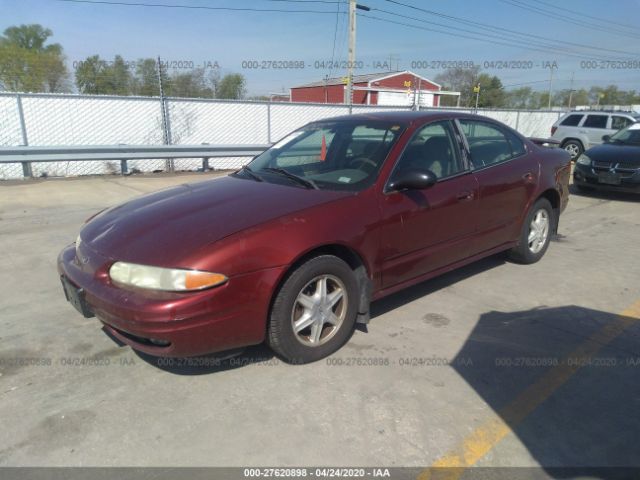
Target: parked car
578	131
292	248
614	165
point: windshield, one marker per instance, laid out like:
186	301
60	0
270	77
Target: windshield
339	155
630	135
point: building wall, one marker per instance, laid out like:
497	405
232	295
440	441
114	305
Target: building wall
335	93
322	94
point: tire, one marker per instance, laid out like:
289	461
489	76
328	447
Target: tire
574	147
325	323
530	250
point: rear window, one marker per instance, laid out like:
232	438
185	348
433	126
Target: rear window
595	121
572	121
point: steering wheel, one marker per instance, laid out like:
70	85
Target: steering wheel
362	161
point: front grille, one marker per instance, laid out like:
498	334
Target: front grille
618	167
602	165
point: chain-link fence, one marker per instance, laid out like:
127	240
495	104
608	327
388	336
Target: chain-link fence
57	119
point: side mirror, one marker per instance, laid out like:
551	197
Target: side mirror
606	138
413	180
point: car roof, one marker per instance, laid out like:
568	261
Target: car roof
404	116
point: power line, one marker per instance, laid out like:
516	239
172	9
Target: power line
335	34
195	7
581	23
493	28
519	42
622	25
482	39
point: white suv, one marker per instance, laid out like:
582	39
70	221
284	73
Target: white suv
578	131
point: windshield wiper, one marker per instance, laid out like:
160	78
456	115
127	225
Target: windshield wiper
302	181
251	173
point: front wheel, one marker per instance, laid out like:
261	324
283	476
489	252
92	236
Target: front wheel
314	311
536	233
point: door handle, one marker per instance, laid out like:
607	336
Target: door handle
528	177
466	195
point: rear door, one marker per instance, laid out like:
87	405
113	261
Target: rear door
424	230
507	175
594	127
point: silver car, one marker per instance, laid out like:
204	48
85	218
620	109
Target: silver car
578	131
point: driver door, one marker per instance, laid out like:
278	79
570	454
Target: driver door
426	230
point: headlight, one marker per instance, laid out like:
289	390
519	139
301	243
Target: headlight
168	279
583	160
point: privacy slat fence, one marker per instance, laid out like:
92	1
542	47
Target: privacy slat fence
56	120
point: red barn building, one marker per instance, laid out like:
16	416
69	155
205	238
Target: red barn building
387	88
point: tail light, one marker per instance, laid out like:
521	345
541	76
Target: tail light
553	130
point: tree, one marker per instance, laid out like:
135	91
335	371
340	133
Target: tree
27	64
492	93
232	86
97	76
459	80
145	81
193	84
519	97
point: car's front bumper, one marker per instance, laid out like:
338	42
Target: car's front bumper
175	324
588	176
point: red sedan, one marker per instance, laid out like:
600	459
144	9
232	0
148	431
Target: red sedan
292	248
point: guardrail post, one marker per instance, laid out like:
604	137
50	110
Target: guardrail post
517	120
124	168
26	169
27	172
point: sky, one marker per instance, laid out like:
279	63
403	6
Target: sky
523	42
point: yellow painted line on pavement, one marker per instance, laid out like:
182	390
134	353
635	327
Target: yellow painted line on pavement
476	445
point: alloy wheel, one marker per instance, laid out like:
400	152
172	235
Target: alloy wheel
538	231
319	310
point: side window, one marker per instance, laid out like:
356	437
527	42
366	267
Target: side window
433	147
571	121
488	144
618	123
595	121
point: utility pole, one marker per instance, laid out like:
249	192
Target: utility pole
352	52
352	49
550	85
571	90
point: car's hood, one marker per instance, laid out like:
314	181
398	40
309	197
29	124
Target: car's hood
615	152
164	227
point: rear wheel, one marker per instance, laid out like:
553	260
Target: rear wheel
314	311
574	147
536	233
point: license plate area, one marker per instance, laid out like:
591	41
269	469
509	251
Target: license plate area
609	178
75	296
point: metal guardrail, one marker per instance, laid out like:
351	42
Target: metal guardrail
27	154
